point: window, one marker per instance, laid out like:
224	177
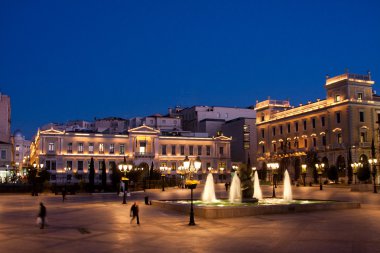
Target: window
314	142
323	121
361	116
80	165
313	122
360	96
163	149
69	164
296	126
304	125
246	128
274	131
91	148
262	133
226	115
101	148
70	147
246	145
337	98
163	121
112	148
218	114
324	140
262	149
191	150
246	137
305	143
281	129
339	138
173	150
208	150
337	115
51	147
50	165
262	117
142	148
296	144
182	150
17	147
80	148
199	150
289	147
122	149
3	154
221	150
288	127
274	147
363	137
282	145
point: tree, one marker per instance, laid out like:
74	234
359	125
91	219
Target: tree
264	171
104	175
332	173
349	168
311	160
364	172
115	176
91	176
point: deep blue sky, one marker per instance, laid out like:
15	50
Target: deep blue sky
62	60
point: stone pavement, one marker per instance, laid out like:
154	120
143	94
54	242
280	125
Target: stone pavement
100	223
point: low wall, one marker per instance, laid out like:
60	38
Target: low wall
213	212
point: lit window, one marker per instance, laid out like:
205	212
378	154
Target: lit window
339	138
360	96
101	148
17	147
80	148
122	149
112	148
51	146
91	148
337	98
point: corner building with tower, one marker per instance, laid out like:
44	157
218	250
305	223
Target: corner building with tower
339	129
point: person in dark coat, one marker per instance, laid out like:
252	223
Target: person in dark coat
135	213
42	215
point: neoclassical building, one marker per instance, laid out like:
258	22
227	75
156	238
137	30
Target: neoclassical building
143	145
345	122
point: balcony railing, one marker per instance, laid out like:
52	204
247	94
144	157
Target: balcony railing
144	155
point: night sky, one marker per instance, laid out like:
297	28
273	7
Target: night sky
62	60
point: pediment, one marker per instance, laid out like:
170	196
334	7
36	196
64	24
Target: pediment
52	131
223	138
144	130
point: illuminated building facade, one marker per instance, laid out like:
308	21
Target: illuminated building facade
143	146
343	123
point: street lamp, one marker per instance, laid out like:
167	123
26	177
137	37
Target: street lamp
163	169
35	175
304	171
320	167
373	163
125	167
222	173
67	169
197	165
355	167
274	167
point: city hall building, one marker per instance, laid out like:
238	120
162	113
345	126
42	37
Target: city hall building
64	153
343	123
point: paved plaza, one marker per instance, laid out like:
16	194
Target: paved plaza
100	223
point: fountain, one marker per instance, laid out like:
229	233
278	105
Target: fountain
235	190
208	195
210	207
256	188
288	196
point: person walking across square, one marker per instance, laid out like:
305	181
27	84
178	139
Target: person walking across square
135	213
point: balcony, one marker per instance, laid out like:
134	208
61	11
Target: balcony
365	144
143	155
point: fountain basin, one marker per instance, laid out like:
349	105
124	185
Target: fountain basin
224	209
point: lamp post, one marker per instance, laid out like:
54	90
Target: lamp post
274	167
35	175
373	163
197	165
320	167
125	167
222	173
67	169
163	169
355	167
304	171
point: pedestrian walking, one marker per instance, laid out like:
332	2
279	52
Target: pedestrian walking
226	185
135	213
63	194
42	215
